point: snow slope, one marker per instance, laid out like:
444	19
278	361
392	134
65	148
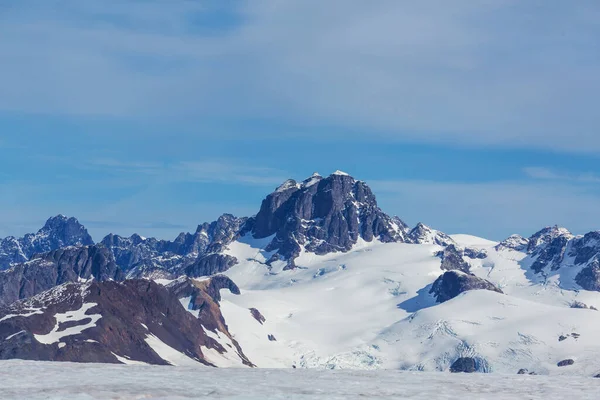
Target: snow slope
66	381
370	308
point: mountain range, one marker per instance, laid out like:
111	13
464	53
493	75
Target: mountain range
319	277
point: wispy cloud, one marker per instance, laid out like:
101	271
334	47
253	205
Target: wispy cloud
204	171
469	73
553	175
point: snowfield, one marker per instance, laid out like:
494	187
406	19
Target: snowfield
68	381
370	308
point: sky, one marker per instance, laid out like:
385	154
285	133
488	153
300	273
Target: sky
153	116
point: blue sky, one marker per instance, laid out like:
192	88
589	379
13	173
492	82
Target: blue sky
153	116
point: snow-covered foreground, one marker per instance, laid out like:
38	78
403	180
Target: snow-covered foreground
92	381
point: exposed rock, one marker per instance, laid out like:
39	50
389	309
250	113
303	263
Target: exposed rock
257	315
144	256
476	254
45	271
453	283
452	259
565	363
272	338
464	364
116	322
204	297
589	277
210	264
562	337
422	234
513	242
324	215
578	304
523	371
58	232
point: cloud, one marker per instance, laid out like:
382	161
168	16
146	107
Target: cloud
204	171
508	73
552	175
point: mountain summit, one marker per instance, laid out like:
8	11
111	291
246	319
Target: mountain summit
58	232
323	215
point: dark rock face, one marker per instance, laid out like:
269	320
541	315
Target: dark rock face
58	232
464	364
257	316
45	271
549	246
210	265
324	215
565	363
453	283
589	277
204	297
452	259
141	257
117	321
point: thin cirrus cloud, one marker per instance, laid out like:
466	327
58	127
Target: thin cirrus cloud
553	175
509	73
206	171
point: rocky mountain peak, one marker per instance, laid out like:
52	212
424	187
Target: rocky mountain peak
59	231
323	215
423	234
66	231
514	242
547	235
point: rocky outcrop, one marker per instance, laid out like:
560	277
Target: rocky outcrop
589	277
513	242
565	363
108	322
44	271
323	215
201	298
452	259
453	283
144	257
257	316
58	232
210	264
464	364
548	247
422	234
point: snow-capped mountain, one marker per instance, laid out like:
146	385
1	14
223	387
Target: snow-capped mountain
195	254
59	231
318	215
322	277
130	322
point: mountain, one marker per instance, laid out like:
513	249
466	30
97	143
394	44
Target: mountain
140	256
319	277
130	322
58	232
321	216
44	271
555	253
318	215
